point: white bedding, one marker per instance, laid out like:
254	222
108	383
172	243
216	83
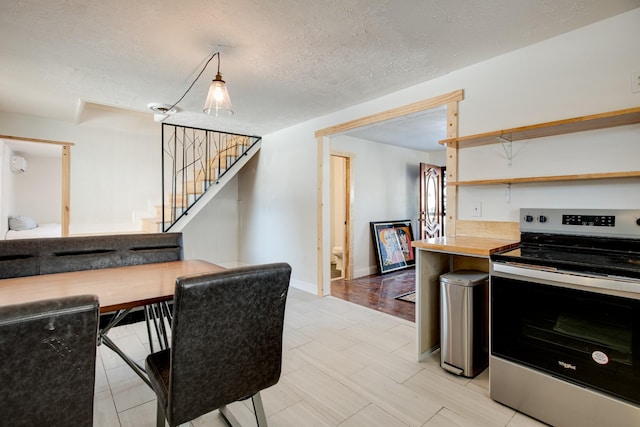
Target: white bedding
42	230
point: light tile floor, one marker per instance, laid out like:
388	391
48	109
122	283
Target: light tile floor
343	365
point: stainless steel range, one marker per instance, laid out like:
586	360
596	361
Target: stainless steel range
565	318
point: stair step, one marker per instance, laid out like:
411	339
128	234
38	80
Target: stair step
197	185
222	162
183	199
153	225
192	189
178	210
201	184
215	173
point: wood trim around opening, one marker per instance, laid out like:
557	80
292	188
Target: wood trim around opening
426	104
65	204
450	99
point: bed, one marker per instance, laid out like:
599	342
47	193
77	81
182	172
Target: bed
24	227
42	230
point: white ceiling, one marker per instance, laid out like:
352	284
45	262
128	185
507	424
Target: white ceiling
419	131
284	61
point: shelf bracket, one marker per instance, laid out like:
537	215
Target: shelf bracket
507	146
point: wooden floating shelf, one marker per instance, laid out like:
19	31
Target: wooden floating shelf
578	124
534	179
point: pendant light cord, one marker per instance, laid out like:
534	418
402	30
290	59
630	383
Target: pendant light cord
196	79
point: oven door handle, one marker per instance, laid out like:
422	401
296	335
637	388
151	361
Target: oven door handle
621	286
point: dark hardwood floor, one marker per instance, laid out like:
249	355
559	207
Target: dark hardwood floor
379	292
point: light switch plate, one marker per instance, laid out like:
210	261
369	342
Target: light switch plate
476	209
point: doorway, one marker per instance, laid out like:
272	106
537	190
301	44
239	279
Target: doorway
43	148
432	201
340	213
324	136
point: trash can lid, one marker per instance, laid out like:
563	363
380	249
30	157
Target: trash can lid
465	277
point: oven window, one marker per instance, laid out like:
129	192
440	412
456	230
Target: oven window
583	324
612	331
584	337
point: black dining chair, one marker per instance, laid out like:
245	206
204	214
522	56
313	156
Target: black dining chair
48	362
226	343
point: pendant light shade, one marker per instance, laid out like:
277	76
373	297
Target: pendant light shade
218	102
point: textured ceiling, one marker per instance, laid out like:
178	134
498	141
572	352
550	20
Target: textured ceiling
284	61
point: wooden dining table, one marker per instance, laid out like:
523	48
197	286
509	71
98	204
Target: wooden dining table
116	288
119	290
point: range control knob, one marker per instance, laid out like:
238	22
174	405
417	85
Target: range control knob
528	218
542	218
638	221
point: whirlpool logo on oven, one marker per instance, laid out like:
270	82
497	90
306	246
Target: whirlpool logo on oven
566	365
598	356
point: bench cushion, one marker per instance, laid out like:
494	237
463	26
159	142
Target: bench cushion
56	255
19	258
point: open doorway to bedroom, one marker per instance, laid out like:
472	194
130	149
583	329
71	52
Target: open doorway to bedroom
38	191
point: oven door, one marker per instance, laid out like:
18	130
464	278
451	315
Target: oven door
582	329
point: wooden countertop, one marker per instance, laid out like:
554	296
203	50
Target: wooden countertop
462	245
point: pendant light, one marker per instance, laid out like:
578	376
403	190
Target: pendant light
217	103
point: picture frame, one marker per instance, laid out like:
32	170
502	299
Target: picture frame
392	245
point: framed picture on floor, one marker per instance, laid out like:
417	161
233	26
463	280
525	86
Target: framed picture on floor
392	245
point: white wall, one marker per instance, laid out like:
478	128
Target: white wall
212	235
277	196
583	72
38	190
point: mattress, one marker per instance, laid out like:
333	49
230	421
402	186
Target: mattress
42	230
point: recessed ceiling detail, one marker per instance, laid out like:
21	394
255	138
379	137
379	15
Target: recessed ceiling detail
162	108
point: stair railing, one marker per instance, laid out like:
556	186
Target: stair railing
193	159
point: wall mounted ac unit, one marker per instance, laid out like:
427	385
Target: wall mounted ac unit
18	164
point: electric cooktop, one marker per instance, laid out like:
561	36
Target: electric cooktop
594	241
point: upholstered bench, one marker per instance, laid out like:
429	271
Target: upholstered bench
31	257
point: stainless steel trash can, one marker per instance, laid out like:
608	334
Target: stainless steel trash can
464	322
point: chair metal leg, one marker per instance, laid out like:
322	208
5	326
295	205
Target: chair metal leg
258	409
147	320
164	315
159	416
228	417
158	315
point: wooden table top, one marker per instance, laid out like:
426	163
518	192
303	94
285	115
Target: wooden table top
116	288
463	245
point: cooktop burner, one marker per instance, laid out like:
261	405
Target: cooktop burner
602	242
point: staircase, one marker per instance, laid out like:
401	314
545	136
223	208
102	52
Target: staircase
196	164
